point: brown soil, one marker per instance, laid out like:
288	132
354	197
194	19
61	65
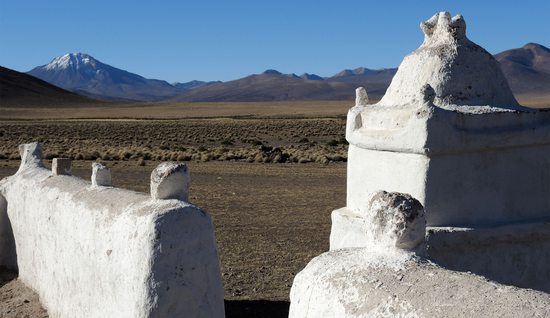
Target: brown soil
270	220
17	300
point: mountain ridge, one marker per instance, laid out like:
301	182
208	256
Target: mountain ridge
80	72
527	70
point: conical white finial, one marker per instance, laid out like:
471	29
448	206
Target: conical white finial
459	71
31	155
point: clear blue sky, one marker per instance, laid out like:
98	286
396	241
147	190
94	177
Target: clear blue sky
223	40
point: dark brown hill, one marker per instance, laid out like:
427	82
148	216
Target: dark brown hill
22	90
527	69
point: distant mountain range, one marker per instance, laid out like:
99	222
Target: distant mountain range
272	85
527	70
82	74
20	89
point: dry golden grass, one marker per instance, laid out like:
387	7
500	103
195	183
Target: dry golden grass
245	140
287	109
128	111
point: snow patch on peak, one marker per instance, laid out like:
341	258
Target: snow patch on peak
71	60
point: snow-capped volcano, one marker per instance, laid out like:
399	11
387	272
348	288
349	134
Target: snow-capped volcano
83	74
73	61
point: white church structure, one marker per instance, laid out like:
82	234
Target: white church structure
448	195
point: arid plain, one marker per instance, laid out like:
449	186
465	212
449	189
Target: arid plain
269	174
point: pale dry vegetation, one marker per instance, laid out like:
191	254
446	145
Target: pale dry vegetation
244	140
287	109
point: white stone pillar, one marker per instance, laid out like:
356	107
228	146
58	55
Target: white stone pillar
101	175
170	180
61	166
31	155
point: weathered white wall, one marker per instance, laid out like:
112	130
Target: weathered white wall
460	189
489	187
516	254
450	133
362	283
92	251
373	170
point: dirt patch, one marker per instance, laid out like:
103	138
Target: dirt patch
16	299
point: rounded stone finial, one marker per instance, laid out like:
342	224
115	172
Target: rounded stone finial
361	97
428	26
31	155
170	180
61	166
397	219
101	175
458	27
441	27
427	94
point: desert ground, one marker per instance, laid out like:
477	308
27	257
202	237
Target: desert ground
15	110
269	180
293	109
269	174
270	220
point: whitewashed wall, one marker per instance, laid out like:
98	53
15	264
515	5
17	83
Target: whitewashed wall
94	251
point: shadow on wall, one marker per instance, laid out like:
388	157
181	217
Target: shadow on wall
6	276
8	254
256	308
516	254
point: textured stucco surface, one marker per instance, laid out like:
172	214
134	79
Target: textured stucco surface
446	61
93	251
360	283
516	254
449	133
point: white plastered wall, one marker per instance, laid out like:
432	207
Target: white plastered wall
107	252
485	188
373	170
